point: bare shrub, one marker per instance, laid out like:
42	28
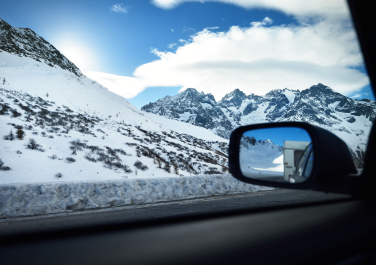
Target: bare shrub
53	157
33	145
70	160
139	165
90	158
2	167
58	175
20	133
10	136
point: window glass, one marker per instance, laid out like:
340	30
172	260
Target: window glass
128	104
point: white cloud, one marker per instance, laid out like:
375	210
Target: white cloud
124	86
264	22
172	30
119	8
212	28
297	8
171	45
360	95
187	29
255	59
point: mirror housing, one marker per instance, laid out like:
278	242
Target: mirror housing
333	169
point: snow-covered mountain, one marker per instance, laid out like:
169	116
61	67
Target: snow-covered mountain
350	119
78	128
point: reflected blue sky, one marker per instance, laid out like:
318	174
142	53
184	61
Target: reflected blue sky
278	135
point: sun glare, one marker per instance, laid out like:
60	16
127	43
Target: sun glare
78	53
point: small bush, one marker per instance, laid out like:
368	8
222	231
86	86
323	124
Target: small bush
44	134
51	136
53	157
70	160
2	167
59	175
35	133
20	134
10	136
139	165
5	168
18	152
90	158
33	145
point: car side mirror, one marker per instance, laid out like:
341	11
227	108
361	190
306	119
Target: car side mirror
292	155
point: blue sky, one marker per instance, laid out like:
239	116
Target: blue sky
144	50
279	135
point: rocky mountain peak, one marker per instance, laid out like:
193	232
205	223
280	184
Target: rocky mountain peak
234	98
237	94
190	90
24	42
321	89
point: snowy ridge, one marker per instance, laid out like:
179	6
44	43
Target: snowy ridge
348	118
26	43
65	197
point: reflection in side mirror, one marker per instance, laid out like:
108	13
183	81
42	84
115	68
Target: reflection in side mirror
282	154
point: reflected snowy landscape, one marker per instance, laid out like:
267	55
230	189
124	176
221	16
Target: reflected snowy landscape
260	159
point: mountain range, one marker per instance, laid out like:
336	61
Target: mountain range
320	105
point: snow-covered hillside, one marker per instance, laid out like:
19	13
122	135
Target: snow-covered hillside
348	118
260	158
82	130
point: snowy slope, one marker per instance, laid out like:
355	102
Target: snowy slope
260	158
70	115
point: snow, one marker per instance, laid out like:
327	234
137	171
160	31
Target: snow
261	160
206	106
278	165
290	95
257	116
84	95
64	197
333	105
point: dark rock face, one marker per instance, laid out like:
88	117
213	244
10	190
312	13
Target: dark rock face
318	105
26	43
193	107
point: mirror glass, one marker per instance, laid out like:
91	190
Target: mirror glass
282	154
